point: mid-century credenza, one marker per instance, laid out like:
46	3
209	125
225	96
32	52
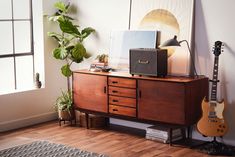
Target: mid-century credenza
170	100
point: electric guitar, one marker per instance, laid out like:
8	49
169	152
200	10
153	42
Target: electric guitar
212	122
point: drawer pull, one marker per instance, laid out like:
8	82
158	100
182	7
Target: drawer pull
114	82
143	62
115	100
105	89
114	91
115	109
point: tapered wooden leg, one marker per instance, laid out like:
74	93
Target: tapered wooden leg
170	136
87	120
183	132
189	132
107	122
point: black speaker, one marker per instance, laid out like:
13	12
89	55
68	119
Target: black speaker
148	61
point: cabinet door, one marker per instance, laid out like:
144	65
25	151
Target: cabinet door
90	92
161	101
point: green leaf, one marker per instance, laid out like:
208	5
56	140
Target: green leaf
60	53
64	102
56	36
68	17
87	31
69	48
66	71
68	27
78	53
54	18
61	6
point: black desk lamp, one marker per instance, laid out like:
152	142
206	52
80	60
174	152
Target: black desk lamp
175	42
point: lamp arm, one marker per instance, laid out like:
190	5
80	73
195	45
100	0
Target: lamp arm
191	57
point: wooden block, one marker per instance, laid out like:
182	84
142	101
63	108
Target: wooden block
94	121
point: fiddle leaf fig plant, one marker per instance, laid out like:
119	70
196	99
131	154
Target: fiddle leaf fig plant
70	47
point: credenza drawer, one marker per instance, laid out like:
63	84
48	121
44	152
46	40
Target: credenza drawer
122	101
125	92
122	82
126	111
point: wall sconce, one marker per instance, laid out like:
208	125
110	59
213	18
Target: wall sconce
175	42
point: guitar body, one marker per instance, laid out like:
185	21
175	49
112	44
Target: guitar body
212	122
212	125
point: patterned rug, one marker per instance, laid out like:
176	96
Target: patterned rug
46	149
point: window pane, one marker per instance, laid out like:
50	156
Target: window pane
7	75
22	36
24	72
6	38
5	9
21	9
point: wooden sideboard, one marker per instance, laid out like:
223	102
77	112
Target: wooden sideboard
171	100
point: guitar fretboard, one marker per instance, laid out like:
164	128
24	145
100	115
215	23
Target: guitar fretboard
215	79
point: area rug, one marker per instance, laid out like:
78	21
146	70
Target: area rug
46	149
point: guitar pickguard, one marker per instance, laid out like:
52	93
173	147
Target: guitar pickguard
219	108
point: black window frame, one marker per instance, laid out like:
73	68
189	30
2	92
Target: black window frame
14	54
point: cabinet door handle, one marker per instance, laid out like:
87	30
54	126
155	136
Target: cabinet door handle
105	89
114	91
115	100
115	109
114	82
140	94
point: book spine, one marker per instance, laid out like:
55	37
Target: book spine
156	131
164	133
163	140
163	137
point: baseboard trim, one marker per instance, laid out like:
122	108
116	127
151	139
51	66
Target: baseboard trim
19	123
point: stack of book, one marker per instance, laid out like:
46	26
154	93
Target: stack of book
98	66
161	134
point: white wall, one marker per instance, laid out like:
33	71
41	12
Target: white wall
35	106
213	21
103	16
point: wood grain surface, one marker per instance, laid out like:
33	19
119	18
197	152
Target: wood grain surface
110	142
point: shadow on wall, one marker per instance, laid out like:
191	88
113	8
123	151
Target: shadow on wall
229	49
230	101
202	48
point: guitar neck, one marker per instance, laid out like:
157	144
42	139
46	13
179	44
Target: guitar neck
215	79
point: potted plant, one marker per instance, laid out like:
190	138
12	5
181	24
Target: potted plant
64	106
70	49
102	58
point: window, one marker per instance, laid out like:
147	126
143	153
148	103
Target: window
17	45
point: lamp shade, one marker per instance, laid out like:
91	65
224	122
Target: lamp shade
171	42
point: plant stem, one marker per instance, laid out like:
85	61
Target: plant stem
68	84
68	80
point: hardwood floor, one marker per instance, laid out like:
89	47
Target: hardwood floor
109	142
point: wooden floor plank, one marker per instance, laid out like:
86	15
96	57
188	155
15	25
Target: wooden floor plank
112	143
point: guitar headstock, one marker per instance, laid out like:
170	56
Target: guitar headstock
217	48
